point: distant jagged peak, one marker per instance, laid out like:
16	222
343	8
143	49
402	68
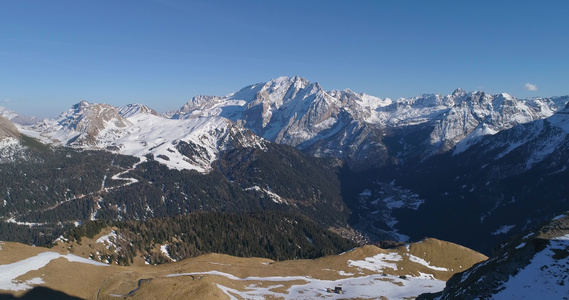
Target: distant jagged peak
130	110
350	98
87	108
458	92
90	119
16	118
286	81
272	93
459	97
6	113
507	96
282	90
278	85
198	102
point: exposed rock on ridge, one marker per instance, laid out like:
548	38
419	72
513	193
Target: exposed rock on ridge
365	130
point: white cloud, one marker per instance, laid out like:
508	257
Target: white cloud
530	87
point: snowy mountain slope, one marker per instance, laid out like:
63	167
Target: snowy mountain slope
534	266
85	124
183	144
522	169
138	130
134	109
536	141
345	124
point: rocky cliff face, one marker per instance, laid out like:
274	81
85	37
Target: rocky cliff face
84	124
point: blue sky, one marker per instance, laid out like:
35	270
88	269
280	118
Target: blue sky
161	53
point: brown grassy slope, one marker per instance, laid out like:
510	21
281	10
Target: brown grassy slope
96	282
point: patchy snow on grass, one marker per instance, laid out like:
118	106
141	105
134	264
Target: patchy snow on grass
377	262
343	273
10	272
423	262
164	250
106	239
366	287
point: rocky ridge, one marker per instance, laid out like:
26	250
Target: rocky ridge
535	265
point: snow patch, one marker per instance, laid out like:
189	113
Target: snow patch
29	224
367	287
10	272
106	239
503	230
344	273
377	262
274	197
164	250
423	262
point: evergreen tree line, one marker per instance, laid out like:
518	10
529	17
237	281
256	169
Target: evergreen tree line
268	234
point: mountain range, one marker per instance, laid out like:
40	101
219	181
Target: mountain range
363	130
454	167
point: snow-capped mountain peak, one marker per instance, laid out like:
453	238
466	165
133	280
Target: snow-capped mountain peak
133	109
294	111
365	130
84	124
458	93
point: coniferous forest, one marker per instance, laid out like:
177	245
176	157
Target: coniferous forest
274	235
